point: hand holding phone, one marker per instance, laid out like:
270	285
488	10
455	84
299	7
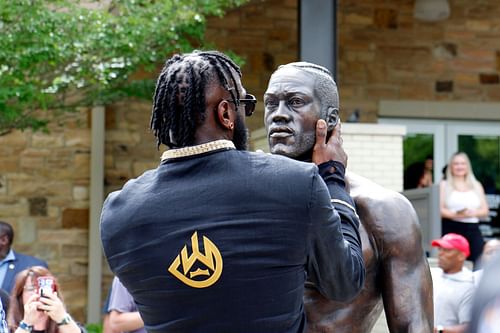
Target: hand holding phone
46	285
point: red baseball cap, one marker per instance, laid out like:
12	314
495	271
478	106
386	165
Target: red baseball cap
453	241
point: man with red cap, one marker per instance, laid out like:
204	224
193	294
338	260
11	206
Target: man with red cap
453	285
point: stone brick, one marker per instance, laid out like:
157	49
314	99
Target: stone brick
382	92
30	163
363	56
80	193
75	218
26	231
81	165
74	251
9	163
110	117
64	236
117	176
77	138
48	252
469	65
493	93
42	140
280	13
14	138
364	17
385	18
444	86
257	22
417	91
139	167
357	72
466	79
21	187
79	267
38	206
468	93
122	137
489	78
478	25
445	50
478	55
13	209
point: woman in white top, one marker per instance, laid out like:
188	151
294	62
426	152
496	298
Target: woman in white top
462	203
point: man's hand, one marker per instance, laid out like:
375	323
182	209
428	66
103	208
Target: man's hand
332	150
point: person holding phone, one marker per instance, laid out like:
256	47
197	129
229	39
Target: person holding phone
36	304
462	203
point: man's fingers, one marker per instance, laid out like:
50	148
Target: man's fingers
337	133
320	131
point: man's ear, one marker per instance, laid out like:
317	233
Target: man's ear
332	118
223	116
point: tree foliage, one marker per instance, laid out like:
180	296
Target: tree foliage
56	55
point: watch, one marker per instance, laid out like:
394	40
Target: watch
24	326
440	329
65	321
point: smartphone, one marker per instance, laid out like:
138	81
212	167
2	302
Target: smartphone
46	285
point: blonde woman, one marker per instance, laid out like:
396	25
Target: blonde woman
463	203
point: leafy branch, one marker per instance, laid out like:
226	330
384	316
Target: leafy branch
56	55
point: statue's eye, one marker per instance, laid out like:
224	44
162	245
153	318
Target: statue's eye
270	103
295	101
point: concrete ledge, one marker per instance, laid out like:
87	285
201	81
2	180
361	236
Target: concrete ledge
373	129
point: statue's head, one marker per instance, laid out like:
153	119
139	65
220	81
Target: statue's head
298	95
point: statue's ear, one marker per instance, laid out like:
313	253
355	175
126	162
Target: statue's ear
332	118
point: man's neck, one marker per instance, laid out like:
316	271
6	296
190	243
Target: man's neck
4	253
453	270
306	157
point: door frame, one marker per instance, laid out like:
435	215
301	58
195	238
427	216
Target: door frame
445	134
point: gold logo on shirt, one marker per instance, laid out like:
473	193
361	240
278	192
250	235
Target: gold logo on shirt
210	262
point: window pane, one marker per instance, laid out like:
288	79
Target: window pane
418	156
484	153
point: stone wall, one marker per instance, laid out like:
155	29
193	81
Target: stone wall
384	53
44	195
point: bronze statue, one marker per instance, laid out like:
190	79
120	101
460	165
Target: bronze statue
397	273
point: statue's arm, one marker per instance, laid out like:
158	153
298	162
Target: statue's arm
407	289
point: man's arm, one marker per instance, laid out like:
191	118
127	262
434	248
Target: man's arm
125	321
336	236
452	329
123	316
405	274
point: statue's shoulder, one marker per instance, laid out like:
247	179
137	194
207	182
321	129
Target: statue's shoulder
386	214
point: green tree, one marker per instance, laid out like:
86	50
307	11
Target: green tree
56	55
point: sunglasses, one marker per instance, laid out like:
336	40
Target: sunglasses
250	101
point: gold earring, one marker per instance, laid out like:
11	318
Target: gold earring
231	125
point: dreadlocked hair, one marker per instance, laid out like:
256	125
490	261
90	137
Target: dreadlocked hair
179	99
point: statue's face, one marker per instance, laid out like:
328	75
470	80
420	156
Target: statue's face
291	112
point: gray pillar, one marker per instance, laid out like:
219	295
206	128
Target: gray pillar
96	200
318	33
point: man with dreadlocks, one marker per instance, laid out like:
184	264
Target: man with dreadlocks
397	274
219	239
